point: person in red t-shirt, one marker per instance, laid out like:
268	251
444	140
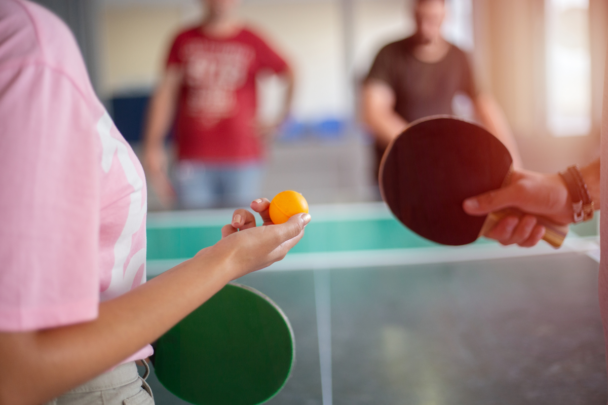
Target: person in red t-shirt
209	85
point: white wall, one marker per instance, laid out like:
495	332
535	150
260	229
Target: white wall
133	42
310	35
376	24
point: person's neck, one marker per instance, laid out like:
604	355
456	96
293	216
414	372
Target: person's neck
220	27
431	52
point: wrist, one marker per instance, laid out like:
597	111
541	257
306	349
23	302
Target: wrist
591	176
152	144
218	259
566	200
580	201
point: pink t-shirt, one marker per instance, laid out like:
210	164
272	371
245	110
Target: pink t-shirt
72	192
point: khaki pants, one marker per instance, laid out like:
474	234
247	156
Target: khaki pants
121	386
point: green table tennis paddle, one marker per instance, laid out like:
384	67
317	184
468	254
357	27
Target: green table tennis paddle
237	348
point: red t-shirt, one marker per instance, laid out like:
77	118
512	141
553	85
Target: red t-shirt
216	112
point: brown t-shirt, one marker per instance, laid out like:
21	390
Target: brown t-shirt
421	89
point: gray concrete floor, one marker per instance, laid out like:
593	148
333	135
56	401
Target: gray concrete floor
509	331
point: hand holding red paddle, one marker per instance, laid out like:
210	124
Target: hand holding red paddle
439	162
540	194
545	195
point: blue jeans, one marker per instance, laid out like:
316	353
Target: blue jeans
212	185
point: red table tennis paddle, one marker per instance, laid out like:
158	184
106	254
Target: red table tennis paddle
437	163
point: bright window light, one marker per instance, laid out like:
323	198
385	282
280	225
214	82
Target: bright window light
458	27
568	67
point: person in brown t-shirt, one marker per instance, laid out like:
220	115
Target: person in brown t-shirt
418	77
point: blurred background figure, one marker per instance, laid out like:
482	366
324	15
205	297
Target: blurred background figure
420	76
209	86
537	59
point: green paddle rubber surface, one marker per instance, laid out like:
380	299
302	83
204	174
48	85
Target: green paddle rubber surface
237	348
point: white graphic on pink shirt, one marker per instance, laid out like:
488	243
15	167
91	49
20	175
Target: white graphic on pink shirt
213	73
123	280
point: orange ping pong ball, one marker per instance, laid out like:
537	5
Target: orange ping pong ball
285	205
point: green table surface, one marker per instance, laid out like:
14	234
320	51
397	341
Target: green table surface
334	229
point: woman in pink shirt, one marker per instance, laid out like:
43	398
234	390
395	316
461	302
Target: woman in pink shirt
73	298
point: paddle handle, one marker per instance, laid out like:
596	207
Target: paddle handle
554	234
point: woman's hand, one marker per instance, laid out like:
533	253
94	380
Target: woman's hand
539	194
247	248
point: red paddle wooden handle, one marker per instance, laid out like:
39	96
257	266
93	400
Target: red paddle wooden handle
554	233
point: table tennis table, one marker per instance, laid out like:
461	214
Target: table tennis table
382	316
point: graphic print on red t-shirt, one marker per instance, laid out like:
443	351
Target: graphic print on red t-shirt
213	72
216	111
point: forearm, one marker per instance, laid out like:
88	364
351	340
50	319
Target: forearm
494	119
41	365
378	112
159	117
385	126
289	92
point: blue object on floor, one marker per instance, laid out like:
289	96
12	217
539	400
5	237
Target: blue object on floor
292	130
329	129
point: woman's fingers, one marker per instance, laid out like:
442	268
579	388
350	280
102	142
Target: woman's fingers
228	230
289	234
281	251
257	248
261	206
285	236
294	226
242	219
292	242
